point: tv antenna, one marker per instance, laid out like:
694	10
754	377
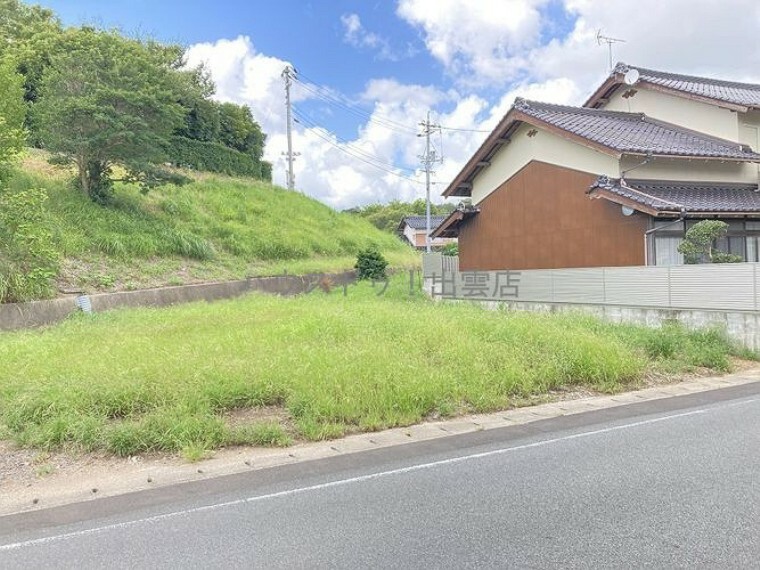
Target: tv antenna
602	39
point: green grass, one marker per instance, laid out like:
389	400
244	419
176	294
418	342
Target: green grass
212	229
142	380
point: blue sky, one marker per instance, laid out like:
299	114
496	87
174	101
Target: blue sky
384	64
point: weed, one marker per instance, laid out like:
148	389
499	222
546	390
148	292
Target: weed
140	380
268	434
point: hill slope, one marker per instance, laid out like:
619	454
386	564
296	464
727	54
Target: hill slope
214	228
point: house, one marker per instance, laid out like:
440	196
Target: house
616	182
413	229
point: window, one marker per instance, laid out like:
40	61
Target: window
752	248
666	250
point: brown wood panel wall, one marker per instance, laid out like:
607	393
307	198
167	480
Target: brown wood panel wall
541	218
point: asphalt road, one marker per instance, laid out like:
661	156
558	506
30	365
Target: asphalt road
669	483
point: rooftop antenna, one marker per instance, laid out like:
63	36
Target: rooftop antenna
602	39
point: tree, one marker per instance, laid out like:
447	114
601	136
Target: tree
107	101
699	243
238	130
28	261
387	216
12	114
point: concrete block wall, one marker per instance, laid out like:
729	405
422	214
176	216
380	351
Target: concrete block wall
741	326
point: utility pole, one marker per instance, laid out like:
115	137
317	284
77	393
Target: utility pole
287	74
428	159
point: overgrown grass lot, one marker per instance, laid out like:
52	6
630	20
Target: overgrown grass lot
215	228
265	370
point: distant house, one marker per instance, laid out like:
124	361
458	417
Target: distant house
615	182
412	229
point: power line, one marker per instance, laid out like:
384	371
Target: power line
464	130
318	132
328	97
307	120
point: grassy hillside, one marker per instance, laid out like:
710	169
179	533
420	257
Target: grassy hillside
213	228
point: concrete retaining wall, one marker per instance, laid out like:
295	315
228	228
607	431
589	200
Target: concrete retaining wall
15	316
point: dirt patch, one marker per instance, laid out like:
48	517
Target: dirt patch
266	414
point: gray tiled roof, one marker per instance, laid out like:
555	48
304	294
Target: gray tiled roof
634	133
744	94
694	197
420	222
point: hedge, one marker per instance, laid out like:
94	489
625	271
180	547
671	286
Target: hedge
214	157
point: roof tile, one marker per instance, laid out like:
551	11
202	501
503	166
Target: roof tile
693	197
744	94
634	133
420	222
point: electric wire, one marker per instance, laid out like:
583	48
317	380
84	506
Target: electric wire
320	133
307	120
329	97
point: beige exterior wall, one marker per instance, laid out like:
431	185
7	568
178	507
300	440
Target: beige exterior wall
544	147
695	170
693	115
749	129
417	238
410	234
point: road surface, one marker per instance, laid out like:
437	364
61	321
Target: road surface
667	483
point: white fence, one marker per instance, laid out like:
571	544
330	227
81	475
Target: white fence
724	287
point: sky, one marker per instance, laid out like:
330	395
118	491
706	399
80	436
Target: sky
369	71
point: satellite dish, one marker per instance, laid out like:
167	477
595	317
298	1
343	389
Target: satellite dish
627	211
631	76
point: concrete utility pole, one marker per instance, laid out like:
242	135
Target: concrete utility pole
291	178
428	159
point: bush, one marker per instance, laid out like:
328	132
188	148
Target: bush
450	249
699	243
28	260
370	264
214	157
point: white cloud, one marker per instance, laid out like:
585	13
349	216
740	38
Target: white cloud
242	75
477	42
494	44
355	34
332	171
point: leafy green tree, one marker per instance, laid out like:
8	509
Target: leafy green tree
29	35
28	261
699	243
240	131
107	101
387	216
12	114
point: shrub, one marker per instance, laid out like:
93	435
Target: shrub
28	260
450	249
699	243
370	264
214	157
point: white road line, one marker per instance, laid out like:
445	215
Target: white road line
338	483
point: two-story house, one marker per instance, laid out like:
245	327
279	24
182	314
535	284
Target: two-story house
615	182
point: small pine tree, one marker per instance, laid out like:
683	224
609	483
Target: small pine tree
370	264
